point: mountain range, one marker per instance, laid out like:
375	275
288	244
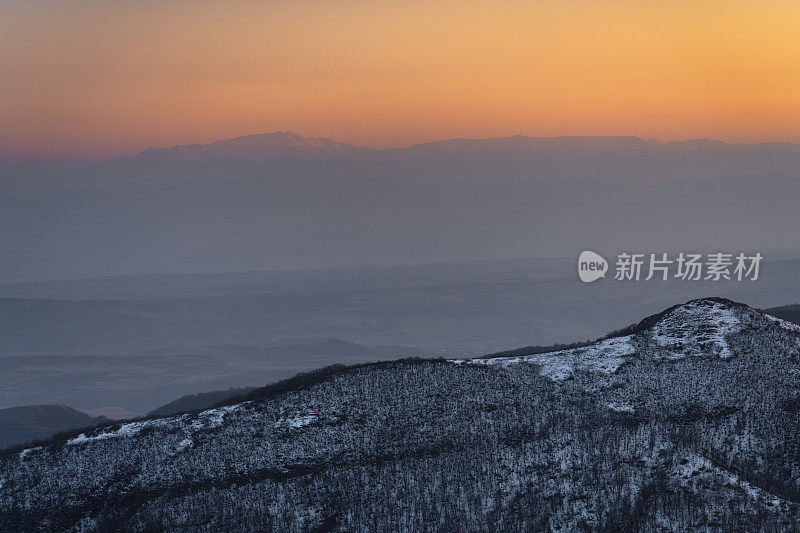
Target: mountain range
257	148
687	420
517	157
283	202
279	145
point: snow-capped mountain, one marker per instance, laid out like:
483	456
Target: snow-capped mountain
250	148
685	421
514	157
278	145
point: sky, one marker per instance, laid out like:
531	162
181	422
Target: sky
95	79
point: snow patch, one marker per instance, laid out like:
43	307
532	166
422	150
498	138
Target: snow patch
297	422
621	407
213	418
604	357
209	419
125	430
26	451
697	328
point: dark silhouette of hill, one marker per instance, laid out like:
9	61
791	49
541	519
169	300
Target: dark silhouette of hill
28	423
786	312
199	401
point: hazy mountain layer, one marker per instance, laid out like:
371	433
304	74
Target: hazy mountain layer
126	383
19	425
572	157
280	201
199	401
478	307
134	343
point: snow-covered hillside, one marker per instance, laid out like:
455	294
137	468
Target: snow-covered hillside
689	421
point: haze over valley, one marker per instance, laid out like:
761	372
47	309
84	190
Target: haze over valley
121	346
280	201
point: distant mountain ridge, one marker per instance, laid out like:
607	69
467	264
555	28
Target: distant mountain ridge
257	148
198	401
790	313
248	153
690	423
514	158
285	144
281	201
19	425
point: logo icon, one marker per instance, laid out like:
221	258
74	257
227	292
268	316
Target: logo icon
591	266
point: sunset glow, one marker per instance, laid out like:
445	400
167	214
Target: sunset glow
99	79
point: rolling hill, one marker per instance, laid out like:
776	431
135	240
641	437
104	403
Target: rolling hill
28	423
790	313
687	421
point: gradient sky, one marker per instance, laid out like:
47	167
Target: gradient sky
80	78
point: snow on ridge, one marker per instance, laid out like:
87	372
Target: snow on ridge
783	323
213	418
125	430
208	419
26	451
695	327
603	357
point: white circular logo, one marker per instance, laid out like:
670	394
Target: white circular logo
591	266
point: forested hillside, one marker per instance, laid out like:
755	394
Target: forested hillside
689	421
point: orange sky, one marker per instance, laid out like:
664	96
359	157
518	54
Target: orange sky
82	78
